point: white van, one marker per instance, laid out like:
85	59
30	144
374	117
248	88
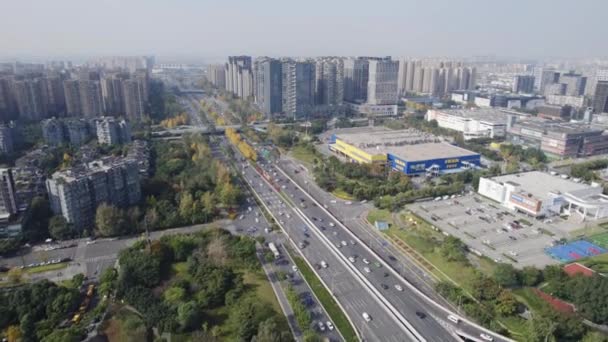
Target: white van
454	319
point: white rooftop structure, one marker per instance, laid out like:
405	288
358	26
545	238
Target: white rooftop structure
542	194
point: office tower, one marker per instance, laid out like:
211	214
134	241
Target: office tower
216	74
112	131
575	83
298	93
31	99
112	93
7	138
91	101
53	132
356	75
75	193
600	99
133	99
382	82
523	84
72	97
8	203
268	85
55	95
239	76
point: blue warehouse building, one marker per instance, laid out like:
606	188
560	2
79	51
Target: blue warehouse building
409	151
431	158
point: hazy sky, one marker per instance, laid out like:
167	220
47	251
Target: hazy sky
206	28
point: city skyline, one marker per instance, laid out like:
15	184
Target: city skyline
203	30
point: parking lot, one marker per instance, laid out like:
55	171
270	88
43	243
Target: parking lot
491	230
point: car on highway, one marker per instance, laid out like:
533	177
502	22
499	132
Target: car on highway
486	337
366	317
302	245
331	224
294	268
352	242
384	286
366	269
324	264
420	314
365	261
344	243
454	319
351	259
398	287
330	326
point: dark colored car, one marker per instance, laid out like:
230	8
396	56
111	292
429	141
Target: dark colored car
421	315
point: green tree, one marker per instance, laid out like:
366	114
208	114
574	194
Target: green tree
77	281
28	329
531	276
484	288
540	329
506	275
268	331
186	204
453	249
174	295
15	275
110	221
59	228
189	315
506	304
594	336
36	219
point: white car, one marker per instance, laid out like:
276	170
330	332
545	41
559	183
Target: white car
398	287
338	245
351	259
331	224
288	216
323	264
325	206
330	326
294	268
486	337
321	326
365	261
454	319
348	203
366	269
344	243
366	317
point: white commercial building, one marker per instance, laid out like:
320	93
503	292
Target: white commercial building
474	123
541	194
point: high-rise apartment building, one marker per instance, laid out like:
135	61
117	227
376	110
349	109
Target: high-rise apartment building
216	74
112	131
53	132
298	82
433	77
112	93
575	83
382	82
91	100
55	95
239	76
133	93
72	97
73	131
8	202
268	85
76	193
7	138
8	107
523	84
329	81
30	95
600	99
356	75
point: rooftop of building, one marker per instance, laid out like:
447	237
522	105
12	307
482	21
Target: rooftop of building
552	126
495	116
372	137
539	184
86	169
408	144
428	151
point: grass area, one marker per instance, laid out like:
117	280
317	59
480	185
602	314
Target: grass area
263	290
419	235
529	298
125	325
597	263
335	313
304	154
589	231
341	194
516	326
380	215
600	239
38	269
